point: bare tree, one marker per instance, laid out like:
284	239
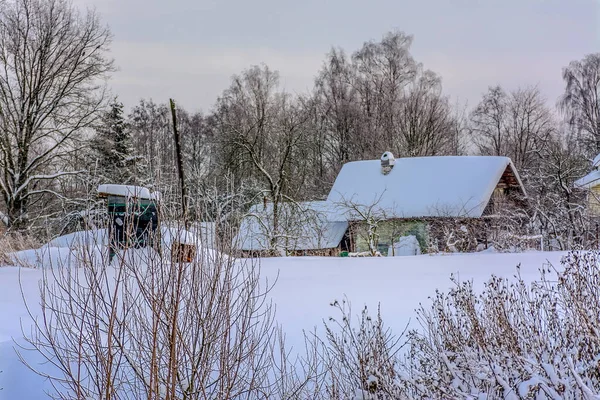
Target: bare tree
488	123
581	100
151	128
530	127
264	133
381	99
516	124
384	69
558	208
338	106
370	214
152	326
426	126
51	66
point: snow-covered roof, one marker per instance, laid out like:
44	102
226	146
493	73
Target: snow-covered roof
451	186
127	191
590	180
302	226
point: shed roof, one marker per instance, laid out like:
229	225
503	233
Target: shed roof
126	191
448	186
309	225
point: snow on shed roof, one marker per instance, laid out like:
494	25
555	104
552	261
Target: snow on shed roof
450	186
309	225
126	191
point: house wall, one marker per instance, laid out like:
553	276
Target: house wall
333	252
594	201
389	232
450	234
504	200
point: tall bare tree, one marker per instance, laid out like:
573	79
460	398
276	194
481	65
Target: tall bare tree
338	106
384	71
516	124
488	123
581	100
153	137
426	124
264	136
52	62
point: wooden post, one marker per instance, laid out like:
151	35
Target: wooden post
184	199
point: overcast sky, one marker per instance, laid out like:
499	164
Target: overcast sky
189	49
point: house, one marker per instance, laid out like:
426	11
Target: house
591	183
448	203
307	228
451	202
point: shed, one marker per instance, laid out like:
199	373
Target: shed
133	216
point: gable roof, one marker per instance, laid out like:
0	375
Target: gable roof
448	186
589	181
311	225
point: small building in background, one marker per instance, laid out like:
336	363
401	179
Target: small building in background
449	203
133	216
446	203
591	183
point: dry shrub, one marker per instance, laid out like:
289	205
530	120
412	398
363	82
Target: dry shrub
146	326
12	242
514	340
355	360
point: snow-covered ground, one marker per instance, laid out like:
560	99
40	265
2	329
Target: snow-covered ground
305	287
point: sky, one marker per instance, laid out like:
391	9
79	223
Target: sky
189	49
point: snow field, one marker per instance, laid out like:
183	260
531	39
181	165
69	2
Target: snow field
304	289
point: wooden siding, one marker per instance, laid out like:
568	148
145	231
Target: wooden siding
594	201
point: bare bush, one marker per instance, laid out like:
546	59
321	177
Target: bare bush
12	242
150	326
514	340
356	360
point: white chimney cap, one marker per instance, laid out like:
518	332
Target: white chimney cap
388	156
387	162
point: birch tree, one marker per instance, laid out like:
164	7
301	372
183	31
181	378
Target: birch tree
52	64
518	125
581	101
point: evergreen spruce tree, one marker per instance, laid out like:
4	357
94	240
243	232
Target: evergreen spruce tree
113	149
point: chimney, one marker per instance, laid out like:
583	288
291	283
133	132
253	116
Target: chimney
387	162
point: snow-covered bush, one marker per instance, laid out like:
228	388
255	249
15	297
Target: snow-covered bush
357	360
513	340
